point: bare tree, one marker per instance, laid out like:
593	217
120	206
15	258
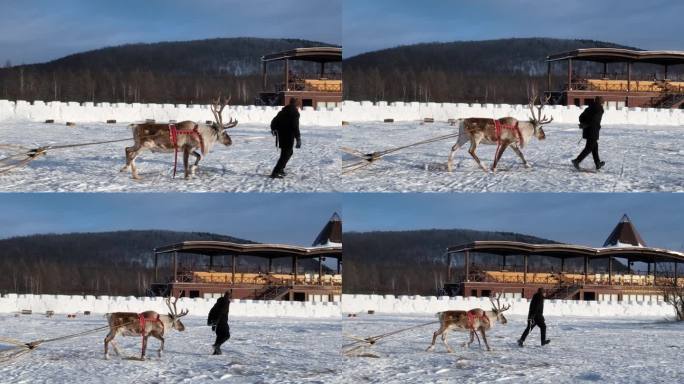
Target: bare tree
673	294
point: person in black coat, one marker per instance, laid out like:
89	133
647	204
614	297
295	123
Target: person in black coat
285	127
535	316
218	319
590	122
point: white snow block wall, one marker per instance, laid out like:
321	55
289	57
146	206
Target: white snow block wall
13	303
39	111
433	304
366	111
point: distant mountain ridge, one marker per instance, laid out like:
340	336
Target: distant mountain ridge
166	72
487	71
102	263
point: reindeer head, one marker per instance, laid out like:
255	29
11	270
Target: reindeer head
537	120
175	316
219	128
498	309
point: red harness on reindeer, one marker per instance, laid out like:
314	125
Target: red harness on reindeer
143	320
499	127
173	135
472	316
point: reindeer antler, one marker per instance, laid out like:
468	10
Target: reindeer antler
174	311
497	305
217	109
537	119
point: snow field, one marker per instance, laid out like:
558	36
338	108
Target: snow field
582	350
242	167
638	159
261	350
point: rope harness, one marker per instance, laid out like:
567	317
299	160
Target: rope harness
142	320
173	136
499	127
24	157
472	315
347	349
369	158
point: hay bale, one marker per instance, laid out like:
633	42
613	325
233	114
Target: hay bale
452	121
26	311
49	121
428	120
388	121
70	124
150	121
111	121
345	123
49	313
87	313
371	312
172	121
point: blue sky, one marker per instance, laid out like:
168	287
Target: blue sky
578	218
273	218
42	30
377	24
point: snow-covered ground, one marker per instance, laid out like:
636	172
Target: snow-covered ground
242	167
581	350
638	158
261	350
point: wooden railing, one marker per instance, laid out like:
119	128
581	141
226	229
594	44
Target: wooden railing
578	278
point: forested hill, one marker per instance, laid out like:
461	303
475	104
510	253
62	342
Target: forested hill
164	72
462	71
108	263
414	262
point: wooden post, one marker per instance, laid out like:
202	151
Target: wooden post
525	271
322	69
263	75
503	262
448	266
467	265
666	67
610	270
548	76
270	264
586	268
287	75
569	74
339	265
629	77
562	264
175	266
675	273
655	264
156	270
211	263
320	271
605	70
233	268
294	269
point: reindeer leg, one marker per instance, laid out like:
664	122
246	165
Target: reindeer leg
107	339
144	347
520	155
498	154
473	148
444	340
459	143
482	332
472	338
198	157
186	158
134	170
434	337
128	159
161	345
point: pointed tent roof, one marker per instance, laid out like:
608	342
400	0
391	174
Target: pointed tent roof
331	232
624	234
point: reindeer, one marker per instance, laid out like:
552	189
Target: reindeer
503	133
186	136
145	324
474	320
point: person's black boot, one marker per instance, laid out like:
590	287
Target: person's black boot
520	343
576	163
276	175
545	342
600	165
217	350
